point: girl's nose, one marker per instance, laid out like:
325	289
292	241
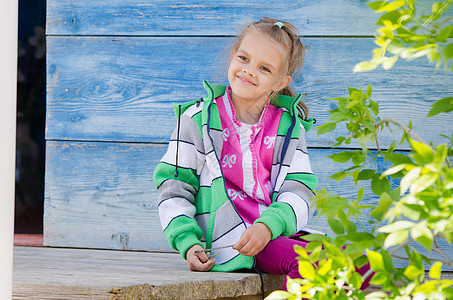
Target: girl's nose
248	72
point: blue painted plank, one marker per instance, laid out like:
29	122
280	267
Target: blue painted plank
141	17
121	89
101	195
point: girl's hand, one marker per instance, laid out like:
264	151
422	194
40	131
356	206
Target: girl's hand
254	239
199	261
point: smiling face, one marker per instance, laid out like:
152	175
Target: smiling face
256	69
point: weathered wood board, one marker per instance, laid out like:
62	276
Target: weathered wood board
121	89
140	17
68	274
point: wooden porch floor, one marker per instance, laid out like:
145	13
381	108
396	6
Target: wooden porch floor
61	273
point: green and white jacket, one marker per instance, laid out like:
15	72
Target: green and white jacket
194	207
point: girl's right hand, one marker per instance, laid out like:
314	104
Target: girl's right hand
199	261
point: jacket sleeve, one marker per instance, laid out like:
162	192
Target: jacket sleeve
291	208
177	190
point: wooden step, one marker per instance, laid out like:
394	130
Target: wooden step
62	273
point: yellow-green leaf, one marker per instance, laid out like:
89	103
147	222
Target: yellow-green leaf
395	238
376	260
306	270
326	267
278	295
365	66
435	270
412	272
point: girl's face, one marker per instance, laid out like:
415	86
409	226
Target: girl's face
257	68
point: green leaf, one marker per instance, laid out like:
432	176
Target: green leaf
338	116
366	174
361	261
398	158
358	158
360	195
392	16
301	251
443	105
423	235
377	4
397	226
384	203
312	246
340	141
380	185
395	238
380	279
444	34
339	175
369	90
336	226
359	236
376	260
448	51
356	280
388	262
355	95
365	66
435	270
423	153
392	6
341	157
315	237
351	227
325	128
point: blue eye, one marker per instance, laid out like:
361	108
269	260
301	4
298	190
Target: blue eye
243	58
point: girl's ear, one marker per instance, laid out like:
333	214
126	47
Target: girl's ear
285	82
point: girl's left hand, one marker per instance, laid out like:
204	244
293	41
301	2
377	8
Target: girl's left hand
253	240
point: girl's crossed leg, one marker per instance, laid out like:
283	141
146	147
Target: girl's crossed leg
279	258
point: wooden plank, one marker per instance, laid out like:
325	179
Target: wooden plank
101	195
121	89
140	17
49	273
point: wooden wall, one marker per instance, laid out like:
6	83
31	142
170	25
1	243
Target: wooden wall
114	68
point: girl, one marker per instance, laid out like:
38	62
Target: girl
236	177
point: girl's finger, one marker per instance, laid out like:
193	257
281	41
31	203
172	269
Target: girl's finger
203	256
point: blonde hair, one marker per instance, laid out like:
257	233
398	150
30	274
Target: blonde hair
286	34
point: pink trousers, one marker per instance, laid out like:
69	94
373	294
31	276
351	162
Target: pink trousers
279	258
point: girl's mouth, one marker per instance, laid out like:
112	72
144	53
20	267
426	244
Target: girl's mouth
244	81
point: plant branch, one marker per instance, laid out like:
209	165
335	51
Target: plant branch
377	142
400	247
404	127
449	262
360	223
399	257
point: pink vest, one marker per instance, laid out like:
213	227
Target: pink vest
246	157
